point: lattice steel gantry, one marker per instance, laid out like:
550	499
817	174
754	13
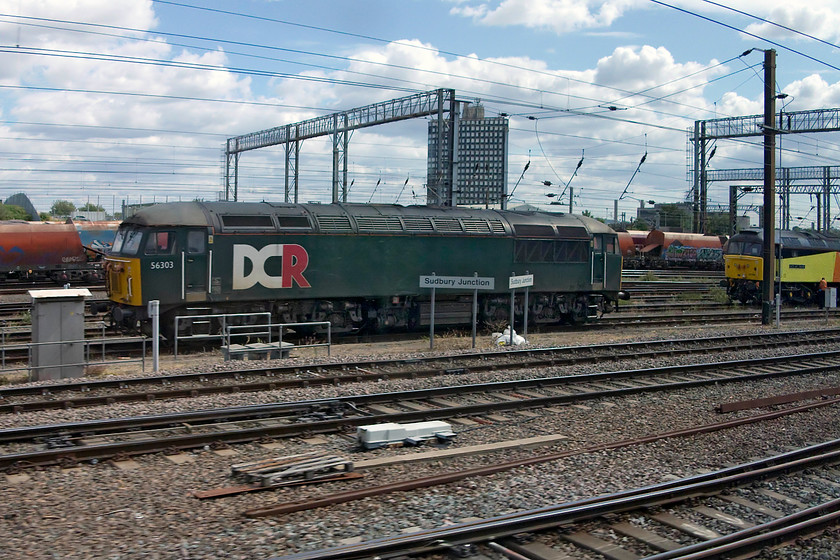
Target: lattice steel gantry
794	122
339	125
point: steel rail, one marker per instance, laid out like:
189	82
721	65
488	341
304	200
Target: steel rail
260	411
361	370
754	539
302	382
338	423
445	538
446	478
607	322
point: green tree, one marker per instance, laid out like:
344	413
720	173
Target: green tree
674	216
45	216
12	212
717	224
639	225
90	207
62	208
588	214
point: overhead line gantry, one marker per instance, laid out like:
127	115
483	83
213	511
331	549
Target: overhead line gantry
793	122
440	103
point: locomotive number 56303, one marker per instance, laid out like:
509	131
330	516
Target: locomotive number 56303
161	265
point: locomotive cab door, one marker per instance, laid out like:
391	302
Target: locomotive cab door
599	261
196	263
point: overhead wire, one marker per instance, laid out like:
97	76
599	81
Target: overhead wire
181	4
377	63
753	35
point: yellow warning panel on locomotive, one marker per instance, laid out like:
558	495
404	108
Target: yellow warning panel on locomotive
743	267
811	268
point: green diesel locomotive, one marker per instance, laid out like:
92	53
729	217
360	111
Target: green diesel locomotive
356	265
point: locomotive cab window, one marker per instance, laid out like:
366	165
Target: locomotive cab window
745	248
195	242
160	243
754	249
127	242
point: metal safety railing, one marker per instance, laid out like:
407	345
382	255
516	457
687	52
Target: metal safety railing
222	318
92	348
267	330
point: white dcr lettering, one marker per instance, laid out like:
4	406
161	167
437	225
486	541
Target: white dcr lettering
295	259
257	258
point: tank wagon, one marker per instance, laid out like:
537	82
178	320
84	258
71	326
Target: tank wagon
666	249
357	266
803	257
43	250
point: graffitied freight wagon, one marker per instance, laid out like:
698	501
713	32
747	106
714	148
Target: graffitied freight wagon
357	266
665	249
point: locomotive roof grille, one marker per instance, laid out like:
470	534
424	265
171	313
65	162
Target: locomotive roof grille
533	230
289	222
334	223
569	232
418	224
449	225
476	225
379	223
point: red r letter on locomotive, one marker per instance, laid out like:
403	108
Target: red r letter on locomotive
295	261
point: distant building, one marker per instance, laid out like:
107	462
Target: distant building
654	217
481	176
650	215
89	216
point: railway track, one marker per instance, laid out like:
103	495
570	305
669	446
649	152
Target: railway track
694	313
672	274
729	513
38	446
23	288
705	317
103	392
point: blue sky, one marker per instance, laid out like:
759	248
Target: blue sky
79	120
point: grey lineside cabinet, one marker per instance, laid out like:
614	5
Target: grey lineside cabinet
58	332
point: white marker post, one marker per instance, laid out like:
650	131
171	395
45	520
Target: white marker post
154	313
519	282
431	317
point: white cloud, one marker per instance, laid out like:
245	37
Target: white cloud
560	16
643	80
820	21
814	92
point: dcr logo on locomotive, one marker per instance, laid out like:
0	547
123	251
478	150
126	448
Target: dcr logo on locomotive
295	259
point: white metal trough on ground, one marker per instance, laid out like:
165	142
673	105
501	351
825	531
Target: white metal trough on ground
373	436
